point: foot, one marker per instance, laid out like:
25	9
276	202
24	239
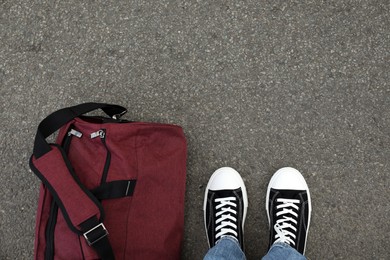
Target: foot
288	208
225	206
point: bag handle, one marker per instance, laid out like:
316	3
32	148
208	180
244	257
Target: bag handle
56	120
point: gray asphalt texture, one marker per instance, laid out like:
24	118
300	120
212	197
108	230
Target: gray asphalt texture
256	85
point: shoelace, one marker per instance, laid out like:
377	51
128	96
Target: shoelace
226	223
283	222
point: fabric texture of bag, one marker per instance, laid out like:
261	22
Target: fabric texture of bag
111	188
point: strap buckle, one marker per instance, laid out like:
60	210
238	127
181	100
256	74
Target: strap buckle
95	234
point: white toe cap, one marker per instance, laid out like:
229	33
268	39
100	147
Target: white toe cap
225	178
288	178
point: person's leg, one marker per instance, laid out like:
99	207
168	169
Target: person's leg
225	207
226	248
288	208
279	251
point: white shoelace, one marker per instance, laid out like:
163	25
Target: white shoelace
226	223
284	222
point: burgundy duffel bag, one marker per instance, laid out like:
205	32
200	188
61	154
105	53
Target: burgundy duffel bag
111	188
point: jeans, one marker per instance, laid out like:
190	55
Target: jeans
228	248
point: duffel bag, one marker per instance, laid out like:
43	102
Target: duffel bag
111	188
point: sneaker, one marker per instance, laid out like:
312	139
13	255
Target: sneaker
225	206
288	208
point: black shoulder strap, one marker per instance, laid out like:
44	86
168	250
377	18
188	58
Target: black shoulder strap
56	120
92	229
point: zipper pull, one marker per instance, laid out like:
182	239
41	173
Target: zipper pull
75	133
101	133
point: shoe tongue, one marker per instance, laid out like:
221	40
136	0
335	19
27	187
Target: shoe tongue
226	193
290	194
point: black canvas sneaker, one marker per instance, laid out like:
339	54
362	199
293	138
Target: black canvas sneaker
225	206
288	208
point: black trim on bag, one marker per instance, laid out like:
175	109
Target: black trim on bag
67	140
51	224
49	233
108	158
56	197
103	120
115	189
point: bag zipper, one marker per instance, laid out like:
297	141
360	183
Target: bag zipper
49	235
49	250
102	134
68	138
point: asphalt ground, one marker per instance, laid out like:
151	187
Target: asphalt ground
256	85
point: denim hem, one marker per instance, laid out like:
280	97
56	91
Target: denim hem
231	239
227	248
281	250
